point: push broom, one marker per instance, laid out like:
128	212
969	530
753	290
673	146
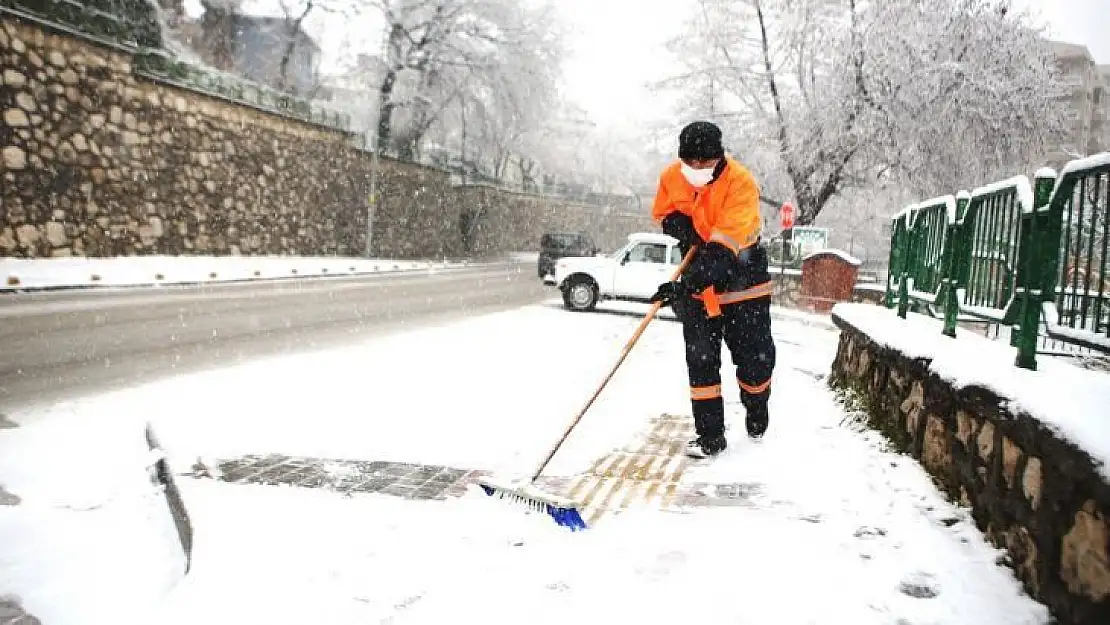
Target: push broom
564	511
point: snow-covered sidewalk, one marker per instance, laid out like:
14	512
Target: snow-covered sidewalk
834	528
58	273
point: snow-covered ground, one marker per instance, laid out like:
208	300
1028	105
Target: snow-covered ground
837	529
39	273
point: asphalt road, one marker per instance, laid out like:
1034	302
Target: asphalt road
61	345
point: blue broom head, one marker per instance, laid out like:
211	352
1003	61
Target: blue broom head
566	516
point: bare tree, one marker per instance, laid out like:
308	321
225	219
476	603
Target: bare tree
491	55
851	92
293	38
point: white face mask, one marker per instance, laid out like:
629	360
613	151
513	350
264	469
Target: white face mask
697	177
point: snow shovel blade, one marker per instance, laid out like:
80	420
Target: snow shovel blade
564	511
164	476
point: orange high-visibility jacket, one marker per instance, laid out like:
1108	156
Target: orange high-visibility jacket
725	211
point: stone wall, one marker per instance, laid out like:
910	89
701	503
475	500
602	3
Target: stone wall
1030	492
99	159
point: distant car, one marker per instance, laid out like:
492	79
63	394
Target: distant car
556	245
632	273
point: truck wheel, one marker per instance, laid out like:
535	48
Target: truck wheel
580	294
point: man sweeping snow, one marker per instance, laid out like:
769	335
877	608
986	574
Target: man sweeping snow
709	201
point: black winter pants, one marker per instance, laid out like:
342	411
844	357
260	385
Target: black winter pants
745	329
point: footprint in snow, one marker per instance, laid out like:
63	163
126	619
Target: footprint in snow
919	586
869	532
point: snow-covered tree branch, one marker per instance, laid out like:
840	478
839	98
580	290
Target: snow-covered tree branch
495	62
939	95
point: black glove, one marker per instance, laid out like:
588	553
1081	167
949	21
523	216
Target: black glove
670	292
680	226
714	266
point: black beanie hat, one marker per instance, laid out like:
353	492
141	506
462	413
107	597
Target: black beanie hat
700	140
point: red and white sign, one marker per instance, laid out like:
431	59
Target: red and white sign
786	216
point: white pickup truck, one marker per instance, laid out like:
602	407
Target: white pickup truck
632	273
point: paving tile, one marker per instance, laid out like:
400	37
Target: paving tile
280	474
374	485
313	478
243	467
448	476
399	490
398	469
425	472
431	491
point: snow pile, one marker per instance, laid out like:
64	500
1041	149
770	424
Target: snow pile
91	540
18	273
1070	400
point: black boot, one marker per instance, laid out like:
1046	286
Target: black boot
757	419
702	447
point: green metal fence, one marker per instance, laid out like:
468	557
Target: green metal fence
929	230
1033	260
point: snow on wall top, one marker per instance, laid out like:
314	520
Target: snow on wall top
845	256
1069	400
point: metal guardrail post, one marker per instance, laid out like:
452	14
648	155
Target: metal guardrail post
953	245
892	266
896	263
907	262
1033	251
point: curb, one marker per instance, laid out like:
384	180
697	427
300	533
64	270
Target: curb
13	290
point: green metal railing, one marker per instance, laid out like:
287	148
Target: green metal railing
1008	255
1076	294
896	266
929	230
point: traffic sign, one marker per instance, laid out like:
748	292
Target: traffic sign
786	216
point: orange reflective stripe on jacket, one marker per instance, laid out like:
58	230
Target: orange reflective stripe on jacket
725	211
735	297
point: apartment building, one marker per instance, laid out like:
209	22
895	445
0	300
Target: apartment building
1102	111
1086	101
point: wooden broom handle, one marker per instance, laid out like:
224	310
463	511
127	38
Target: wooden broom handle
624	354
